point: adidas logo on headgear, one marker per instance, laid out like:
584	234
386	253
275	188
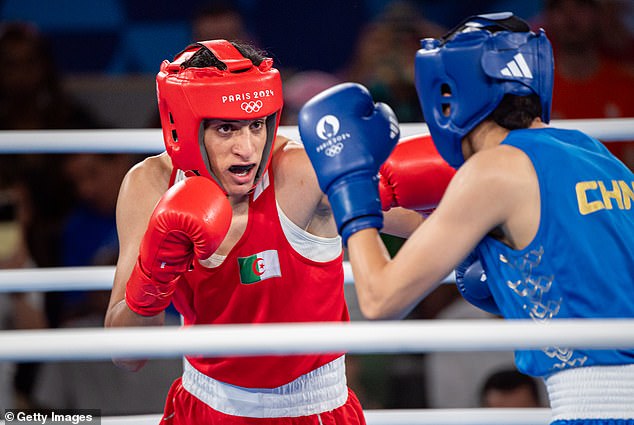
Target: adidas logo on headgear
517	68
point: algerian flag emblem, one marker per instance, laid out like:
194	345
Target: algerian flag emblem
260	266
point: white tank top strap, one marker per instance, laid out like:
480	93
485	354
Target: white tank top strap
319	391
594	392
313	247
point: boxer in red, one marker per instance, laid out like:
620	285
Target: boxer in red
229	224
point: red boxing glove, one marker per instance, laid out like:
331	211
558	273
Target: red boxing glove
414	176
190	220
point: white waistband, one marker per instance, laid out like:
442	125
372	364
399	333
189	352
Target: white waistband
594	392
319	391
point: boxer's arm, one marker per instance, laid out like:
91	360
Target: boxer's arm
138	196
298	193
401	222
483	195
347	168
140	190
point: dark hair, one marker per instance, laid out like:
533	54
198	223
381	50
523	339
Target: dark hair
204	58
509	379
515	112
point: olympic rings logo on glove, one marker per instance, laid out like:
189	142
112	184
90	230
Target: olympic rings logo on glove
251	107
334	150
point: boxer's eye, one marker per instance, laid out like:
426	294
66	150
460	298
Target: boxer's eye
445	91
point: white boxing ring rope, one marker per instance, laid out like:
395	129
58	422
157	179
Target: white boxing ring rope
356	337
150	140
93	278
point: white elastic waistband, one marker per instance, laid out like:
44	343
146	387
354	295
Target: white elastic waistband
319	391
595	392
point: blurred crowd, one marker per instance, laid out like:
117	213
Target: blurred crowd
59	209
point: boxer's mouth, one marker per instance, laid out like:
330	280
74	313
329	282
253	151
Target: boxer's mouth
241	170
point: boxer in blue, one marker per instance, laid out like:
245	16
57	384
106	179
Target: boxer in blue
547	214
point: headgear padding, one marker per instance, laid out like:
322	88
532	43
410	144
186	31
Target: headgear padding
462	77
188	96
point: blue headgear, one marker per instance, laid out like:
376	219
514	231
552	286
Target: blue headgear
467	72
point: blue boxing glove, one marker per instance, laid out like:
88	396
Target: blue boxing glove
347	137
471	280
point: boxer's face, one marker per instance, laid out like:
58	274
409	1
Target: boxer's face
235	151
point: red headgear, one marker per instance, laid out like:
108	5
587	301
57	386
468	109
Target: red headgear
188	96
